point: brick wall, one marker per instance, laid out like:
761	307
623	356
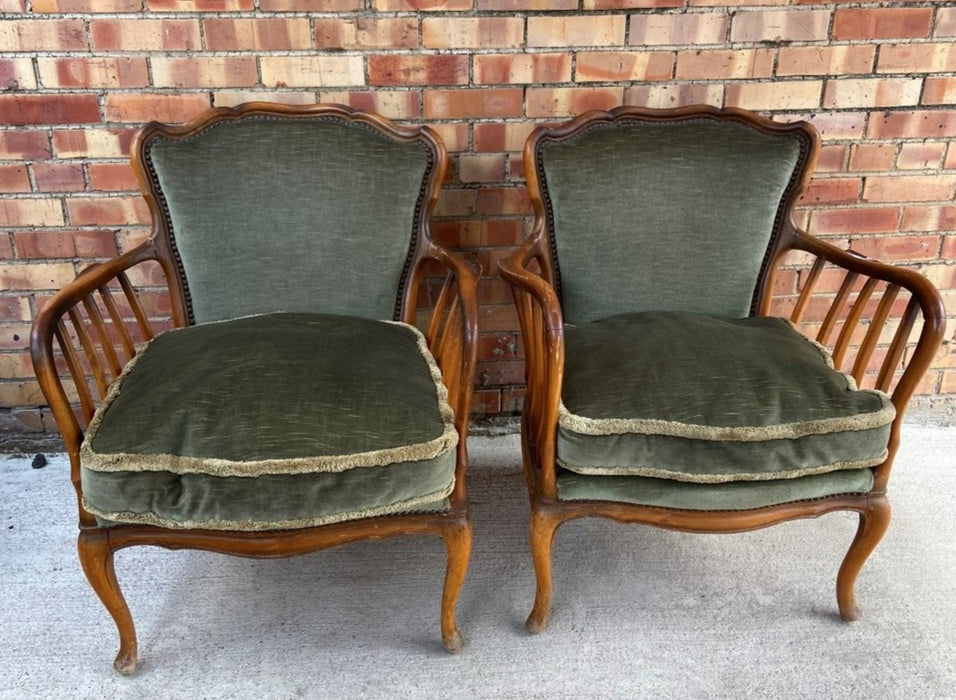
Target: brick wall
78	76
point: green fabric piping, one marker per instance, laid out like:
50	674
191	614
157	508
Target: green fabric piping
263	525
178	464
658	473
756	433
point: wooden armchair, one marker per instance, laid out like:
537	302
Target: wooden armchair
660	388
281	414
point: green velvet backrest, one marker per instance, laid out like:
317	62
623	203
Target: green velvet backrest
664	215
290	214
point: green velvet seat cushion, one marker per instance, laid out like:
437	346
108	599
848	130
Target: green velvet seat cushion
709	399
269	422
730	495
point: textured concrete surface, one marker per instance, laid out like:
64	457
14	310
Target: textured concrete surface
638	612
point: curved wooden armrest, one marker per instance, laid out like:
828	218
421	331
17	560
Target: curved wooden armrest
925	305
95	337
542	332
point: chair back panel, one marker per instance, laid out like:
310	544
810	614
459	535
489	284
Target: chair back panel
663	215
290	214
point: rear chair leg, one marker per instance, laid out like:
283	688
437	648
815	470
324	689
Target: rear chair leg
96	557
458	543
543	528
873	523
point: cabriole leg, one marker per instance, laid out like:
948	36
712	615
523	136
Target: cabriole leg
96	557
543	527
458	543
873	523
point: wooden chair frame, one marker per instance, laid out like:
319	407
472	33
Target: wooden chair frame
94	322
532	277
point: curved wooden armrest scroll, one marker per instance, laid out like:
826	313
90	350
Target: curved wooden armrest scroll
87	332
542	332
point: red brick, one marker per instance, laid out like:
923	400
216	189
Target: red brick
913	188
566	102
144	107
503	200
871	156
480	233
13	6
837	125
829	222
58	177
675	94
17	74
724	64
15	308
365	33
14	178
912	124
919	58
394	104
145	34
463	104
311	5
260	34
87	6
950	162
312	71
200	5
630	4
107	211
14	336
421	5
943	277
472	32
49	109
791	94
920	156
888	23
832	191
590	30
481	168
393	69
456	202
931	219
112	177
780	25
454	136
946	21
36	276
522	5
101	72
871	92
899	248
92	143
679	30
15	365
95	244
46	244
523	68
939	91
825	60
24	145
948	251
231	98
42	35
204	71
608	66
497	136
832	158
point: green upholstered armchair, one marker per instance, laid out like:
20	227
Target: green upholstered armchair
294	405
661	390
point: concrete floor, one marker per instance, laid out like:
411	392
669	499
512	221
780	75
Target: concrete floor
638	612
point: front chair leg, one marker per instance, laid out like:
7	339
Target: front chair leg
873	523
96	557
458	544
543	528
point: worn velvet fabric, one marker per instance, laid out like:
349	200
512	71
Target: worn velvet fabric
290	215
735	495
672	216
220	422
709	399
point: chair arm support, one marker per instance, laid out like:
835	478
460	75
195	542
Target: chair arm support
542	330
925	305
97	344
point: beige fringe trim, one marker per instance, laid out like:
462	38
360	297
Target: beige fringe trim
750	433
723	478
178	464
262	525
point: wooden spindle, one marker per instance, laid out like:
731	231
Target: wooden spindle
872	336
852	320
895	354
804	299
836	307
